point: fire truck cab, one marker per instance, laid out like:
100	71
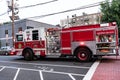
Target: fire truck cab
81	42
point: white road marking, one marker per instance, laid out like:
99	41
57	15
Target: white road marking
46	64
44	71
71	77
44	68
41	75
2	68
16	74
91	71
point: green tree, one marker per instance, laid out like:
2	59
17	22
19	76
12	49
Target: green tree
111	11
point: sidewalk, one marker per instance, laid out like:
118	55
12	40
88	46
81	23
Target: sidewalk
108	69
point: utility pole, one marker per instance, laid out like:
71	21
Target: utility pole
13	22
13	9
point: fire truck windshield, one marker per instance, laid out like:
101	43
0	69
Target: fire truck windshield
19	37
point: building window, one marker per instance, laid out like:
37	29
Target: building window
6	31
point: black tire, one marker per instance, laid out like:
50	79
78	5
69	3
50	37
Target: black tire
83	54
28	55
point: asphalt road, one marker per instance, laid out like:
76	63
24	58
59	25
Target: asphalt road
16	68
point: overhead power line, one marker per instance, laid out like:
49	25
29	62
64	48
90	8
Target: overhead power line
83	7
31	6
3	13
37	4
41	16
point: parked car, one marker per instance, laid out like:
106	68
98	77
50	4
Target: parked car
5	50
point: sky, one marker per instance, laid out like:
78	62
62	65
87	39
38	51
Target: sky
57	6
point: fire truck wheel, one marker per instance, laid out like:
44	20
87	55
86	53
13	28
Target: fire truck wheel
83	54
28	55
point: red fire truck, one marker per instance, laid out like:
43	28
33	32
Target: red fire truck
81	42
